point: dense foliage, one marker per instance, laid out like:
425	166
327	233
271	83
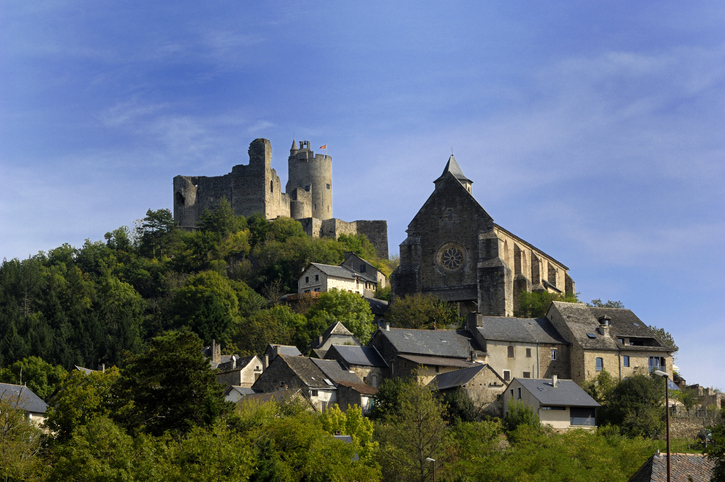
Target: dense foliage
87	306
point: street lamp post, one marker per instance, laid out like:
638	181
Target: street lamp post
662	374
433	461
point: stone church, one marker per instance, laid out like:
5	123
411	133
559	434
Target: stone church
456	252
256	189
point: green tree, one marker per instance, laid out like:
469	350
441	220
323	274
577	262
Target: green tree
716	451
536	304
208	305
387	400
171	387
350	309
352	423
636	406
20	445
157	234
81	398
40	377
275	325
422	311
222	219
412	434
520	414
601	387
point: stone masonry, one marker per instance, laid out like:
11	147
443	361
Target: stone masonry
256	189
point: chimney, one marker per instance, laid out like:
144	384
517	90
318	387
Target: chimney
604	325
555	381
266	361
320	340
386	326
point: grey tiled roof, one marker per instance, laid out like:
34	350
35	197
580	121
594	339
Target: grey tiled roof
567	392
335	271
457	378
525	330
378	307
438	361
691	467
239	362
335	372
358	355
453	167
288	350
442	343
583	321
20	396
308	372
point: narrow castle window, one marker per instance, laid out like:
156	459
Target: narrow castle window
307	188
327	185
271	186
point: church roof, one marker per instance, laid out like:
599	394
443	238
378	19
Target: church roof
453	167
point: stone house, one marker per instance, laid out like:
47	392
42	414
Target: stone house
359	265
560	403
424	353
298	372
521	347
336	334
318	277
611	339
364	361
350	388
274	349
481	383
455	251
23	398
685	467
240	371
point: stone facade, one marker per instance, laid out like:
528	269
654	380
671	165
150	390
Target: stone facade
256	189
608	339
455	251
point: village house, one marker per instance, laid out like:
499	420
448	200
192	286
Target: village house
480	383
521	347
274	349
336	334
424	353
364	361
22	398
350	388
239	371
561	404
611	339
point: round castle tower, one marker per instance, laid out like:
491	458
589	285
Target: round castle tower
311	174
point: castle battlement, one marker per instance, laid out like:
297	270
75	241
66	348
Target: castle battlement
255	188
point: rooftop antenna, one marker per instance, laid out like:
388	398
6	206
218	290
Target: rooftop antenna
451	150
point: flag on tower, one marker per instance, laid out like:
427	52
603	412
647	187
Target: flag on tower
323	147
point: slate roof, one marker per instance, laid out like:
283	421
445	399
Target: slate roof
691	467
22	397
342	272
525	330
453	167
335	372
243	391
308	372
441	343
583	321
288	350
457	378
239	363
438	361
566	394
358	355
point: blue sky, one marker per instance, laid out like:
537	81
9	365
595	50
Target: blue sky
593	131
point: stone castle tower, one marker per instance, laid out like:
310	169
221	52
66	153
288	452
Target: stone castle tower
309	183
256	188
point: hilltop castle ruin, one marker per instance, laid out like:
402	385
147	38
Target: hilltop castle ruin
256	188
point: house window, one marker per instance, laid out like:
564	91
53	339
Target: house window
626	360
307	188
527	374
553	354
511	351
313	393
519	393
362	268
582	416
528	353
656	363
307	279
438	369
507	376
317	277
600	364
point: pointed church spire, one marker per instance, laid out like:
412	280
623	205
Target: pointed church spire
294	146
453	167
